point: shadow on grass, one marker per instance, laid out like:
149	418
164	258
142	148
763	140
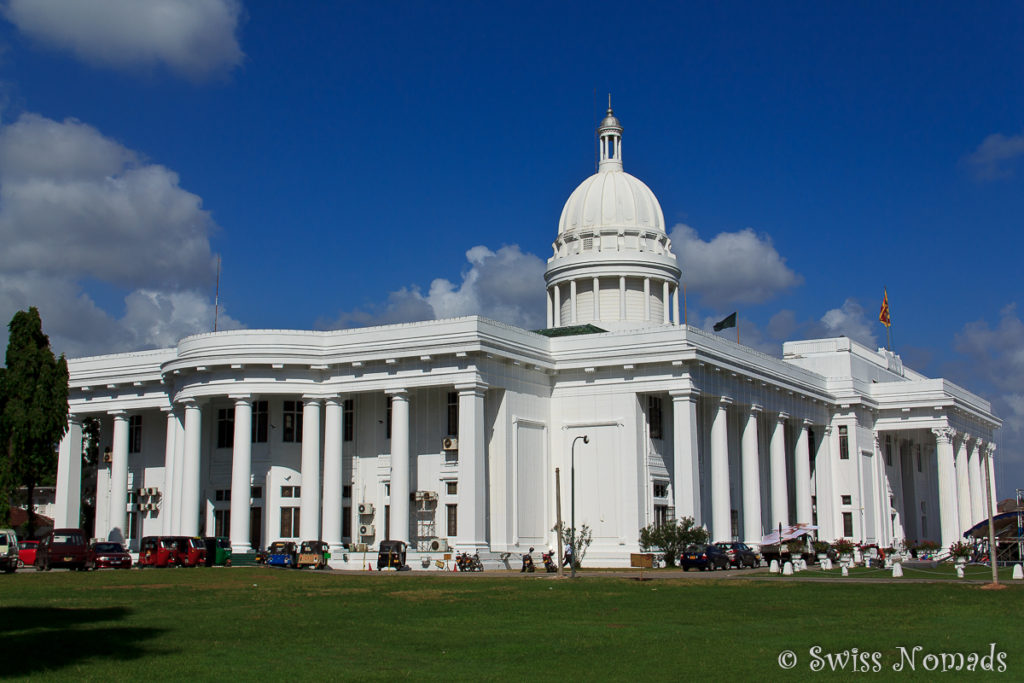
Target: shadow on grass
36	640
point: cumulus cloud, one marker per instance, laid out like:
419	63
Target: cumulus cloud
77	208
506	285
733	268
194	38
994	157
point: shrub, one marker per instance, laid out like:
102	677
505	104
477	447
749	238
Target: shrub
672	538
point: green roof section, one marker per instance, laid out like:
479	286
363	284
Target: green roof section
570	331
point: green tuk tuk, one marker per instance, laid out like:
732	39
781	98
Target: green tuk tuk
218	551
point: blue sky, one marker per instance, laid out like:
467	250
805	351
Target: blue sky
355	163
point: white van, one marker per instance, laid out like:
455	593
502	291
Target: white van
8	550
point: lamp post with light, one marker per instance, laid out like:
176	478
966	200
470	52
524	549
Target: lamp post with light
572	478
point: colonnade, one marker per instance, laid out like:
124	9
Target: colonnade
963	495
669	299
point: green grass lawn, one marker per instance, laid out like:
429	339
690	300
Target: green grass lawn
273	624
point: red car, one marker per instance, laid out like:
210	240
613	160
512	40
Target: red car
64	548
158	551
110	555
191	551
27	552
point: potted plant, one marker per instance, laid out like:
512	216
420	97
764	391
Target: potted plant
961	552
925	549
844	548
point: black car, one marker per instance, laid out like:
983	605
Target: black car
740	554
392	555
709	557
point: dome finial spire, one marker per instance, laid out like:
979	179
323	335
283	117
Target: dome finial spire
609	134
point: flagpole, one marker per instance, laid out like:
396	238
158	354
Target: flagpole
686	319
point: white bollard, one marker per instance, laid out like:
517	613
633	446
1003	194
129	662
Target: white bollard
826	564
897	570
1018	572
959	571
774	567
846	572
787	569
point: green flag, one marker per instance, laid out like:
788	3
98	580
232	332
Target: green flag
728	321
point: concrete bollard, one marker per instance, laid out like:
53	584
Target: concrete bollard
826	564
787	569
897	570
1018	572
846	572
959	571
774	567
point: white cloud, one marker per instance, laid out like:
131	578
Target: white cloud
733	268
194	38
506	285
78	208
849	320
994	157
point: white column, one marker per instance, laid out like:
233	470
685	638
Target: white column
333	410
963	486
241	475
949	518
572	301
551	322
166	495
777	471
400	465
558	309
190	475
686	466
647	299
622	297
309	504
597	295
802	478
68	500
118	516
721	509
675	305
976	481
751	470
472	497
665	303
179	471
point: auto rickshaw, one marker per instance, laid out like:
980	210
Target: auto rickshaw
391	555
282	554
191	551
158	551
218	551
314	554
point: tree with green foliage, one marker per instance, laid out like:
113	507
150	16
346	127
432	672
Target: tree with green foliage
671	539
33	410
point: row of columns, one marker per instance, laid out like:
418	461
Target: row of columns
670	293
686	474
962	490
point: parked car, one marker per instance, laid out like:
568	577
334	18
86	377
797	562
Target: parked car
391	554
314	554
740	554
158	551
8	551
64	548
218	551
27	553
709	557
282	554
110	555
191	551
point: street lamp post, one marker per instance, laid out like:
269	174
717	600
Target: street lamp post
572	477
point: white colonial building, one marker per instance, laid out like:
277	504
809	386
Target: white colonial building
448	433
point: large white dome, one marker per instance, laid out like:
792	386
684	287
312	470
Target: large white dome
611	198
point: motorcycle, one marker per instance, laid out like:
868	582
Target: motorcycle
468	563
549	563
528	563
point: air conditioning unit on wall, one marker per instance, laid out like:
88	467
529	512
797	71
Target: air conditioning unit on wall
450	443
438	545
366	508
366	530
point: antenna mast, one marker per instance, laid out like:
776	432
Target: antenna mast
216	297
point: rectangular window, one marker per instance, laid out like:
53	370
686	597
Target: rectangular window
225	427
291	491
348	422
222	494
888	450
453	519
848	524
735	519
256	492
346	521
453	413
660	489
260	421
451	488
654	416
346	491
387	426
291	422
844	443
222	522
924	526
919	461
660	515
289	522
847	500
135	434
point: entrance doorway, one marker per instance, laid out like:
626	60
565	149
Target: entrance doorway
256	528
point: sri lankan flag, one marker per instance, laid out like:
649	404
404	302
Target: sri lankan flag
883	315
